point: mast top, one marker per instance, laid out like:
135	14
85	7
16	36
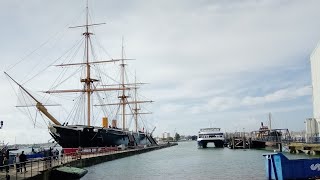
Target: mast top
87	21
87	25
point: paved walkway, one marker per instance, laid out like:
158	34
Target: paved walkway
38	165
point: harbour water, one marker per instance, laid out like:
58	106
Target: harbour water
186	161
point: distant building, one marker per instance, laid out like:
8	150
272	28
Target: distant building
165	135
312	128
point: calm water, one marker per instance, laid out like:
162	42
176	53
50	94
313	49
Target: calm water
185	161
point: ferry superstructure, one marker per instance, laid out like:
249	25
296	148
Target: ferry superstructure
210	135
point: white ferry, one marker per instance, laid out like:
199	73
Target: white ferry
210	135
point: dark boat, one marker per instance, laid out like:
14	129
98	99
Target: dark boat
73	136
66	172
267	137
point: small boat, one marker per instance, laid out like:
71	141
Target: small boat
210	135
65	172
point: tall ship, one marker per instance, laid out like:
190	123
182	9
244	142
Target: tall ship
98	97
210	135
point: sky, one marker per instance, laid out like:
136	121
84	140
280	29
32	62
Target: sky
224	64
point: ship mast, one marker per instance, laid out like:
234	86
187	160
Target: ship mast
270	120
123	96
88	79
135	110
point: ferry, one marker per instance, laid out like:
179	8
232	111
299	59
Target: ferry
210	135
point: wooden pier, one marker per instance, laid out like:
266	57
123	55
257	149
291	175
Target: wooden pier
239	143
248	141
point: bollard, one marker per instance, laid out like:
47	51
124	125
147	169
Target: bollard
280	147
244	142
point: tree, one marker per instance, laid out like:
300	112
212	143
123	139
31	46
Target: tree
177	137
194	137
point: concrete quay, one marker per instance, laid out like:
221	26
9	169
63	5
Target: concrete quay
40	169
307	148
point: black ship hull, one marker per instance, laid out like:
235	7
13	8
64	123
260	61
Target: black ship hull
89	136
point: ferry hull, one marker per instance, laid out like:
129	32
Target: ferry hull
217	143
210	135
89	136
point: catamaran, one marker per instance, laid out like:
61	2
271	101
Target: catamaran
210	135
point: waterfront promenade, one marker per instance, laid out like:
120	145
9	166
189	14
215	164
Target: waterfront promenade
38	166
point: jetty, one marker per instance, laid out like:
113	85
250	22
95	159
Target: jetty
303	147
42	168
257	140
279	141
238	141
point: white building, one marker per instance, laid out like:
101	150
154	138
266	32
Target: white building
312	129
165	135
312	124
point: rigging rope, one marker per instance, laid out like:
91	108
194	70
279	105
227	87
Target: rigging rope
45	42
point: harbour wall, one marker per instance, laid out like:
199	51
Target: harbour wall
307	148
81	163
90	161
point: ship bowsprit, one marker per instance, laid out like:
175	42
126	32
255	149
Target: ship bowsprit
74	136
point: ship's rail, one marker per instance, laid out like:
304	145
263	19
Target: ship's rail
209	130
36	166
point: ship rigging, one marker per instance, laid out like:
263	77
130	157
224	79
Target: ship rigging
87	135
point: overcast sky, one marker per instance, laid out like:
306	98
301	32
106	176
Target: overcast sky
209	63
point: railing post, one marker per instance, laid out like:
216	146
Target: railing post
16	171
31	168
